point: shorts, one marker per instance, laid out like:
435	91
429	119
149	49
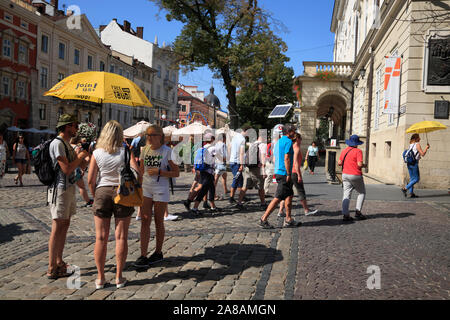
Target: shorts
157	194
299	186
65	205
220	169
22	161
253	178
284	189
104	206
197	176
239	181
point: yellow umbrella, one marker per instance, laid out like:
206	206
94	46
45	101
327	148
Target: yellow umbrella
425	127
99	87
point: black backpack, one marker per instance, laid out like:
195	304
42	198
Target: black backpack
43	164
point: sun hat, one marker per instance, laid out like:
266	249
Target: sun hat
66	119
354	141
208	136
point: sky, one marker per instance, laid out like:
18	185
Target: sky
306	30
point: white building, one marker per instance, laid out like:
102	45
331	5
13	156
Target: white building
123	39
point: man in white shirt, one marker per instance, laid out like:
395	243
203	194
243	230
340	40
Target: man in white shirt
221	164
237	155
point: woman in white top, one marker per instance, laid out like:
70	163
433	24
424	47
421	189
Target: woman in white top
157	168
107	161
3	157
313	156
413	169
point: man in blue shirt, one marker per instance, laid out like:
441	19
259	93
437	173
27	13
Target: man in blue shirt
284	155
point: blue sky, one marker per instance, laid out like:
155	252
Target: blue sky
308	35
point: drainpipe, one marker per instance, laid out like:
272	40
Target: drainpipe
369	111
352	92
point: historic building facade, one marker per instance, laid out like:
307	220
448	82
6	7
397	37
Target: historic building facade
367	33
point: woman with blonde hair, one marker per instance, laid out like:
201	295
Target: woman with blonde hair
157	168
413	169
107	161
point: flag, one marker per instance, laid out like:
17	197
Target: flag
392	73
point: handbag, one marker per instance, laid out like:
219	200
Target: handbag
129	193
305	165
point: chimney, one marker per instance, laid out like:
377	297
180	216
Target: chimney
140	32
54	3
126	26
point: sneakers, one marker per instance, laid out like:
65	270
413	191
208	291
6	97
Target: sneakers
347	218
195	212
138	218
360	216
141	262
171	217
89	203
265	225
405	192
155	257
292	223
412	195
310	213
215	210
187	204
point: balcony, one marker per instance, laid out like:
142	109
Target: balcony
169	84
341	69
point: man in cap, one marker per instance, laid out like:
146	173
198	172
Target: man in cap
61	195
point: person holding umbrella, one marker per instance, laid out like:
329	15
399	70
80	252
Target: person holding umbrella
413	168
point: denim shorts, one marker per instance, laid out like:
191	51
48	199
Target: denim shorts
239	181
22	161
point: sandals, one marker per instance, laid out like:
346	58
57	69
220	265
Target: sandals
60	271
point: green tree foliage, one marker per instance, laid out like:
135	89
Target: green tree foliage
229	36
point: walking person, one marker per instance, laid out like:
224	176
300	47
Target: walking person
75	143
221	165
155	161
3	156
61	196
237	155
312	156
351	160
284	155
204	162
21	158
104	178
297	175
413	169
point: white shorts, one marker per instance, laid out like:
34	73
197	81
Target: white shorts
65	203
158	195
220	169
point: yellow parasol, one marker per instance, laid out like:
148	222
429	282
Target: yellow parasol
99	87
425	127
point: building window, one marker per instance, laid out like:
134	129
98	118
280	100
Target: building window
60	112
166	95
24	24
22	54
387	149
76	57
158	91
21	93
159	71
44	77
147	94
8	17
374	150
167	75
44	43
112	68
6	86
118	116
61	76
90	65
183	108
127	74
125	117
42	111
174	77
88	117
102	66
7	48
120	71
62	51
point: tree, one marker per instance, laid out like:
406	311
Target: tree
266	83
220	34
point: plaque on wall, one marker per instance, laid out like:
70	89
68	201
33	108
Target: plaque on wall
439	62
441	109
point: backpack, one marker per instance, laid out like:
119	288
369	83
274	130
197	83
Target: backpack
199	161
253	157
43	164
409	157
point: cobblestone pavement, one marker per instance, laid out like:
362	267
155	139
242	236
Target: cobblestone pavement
227	256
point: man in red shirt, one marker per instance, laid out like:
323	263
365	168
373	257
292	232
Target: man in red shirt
351	160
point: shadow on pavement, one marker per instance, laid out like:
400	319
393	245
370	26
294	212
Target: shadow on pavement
8	232
336	222
232	259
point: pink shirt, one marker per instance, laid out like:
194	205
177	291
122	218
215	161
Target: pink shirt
354	156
